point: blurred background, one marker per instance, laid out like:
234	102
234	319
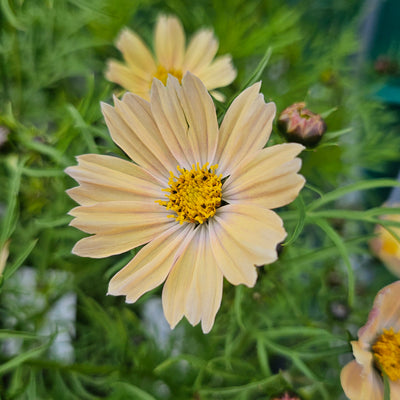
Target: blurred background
61	337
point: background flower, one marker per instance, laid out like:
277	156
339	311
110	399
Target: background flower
171	57
386	246
219	196
377	350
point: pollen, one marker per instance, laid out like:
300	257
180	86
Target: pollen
387	353
162	74
194	195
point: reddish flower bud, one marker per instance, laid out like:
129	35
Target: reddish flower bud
286	396
298	124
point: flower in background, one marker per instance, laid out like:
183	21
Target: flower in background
299	124
199	195
376	351
171	57
386	246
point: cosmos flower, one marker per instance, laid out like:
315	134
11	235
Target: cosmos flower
376	351
199	195
385	246
171	57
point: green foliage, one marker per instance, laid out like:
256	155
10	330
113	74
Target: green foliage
283	334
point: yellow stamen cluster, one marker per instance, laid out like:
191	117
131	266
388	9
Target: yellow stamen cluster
386	350
195	195
162	74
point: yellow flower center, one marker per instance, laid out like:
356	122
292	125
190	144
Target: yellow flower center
194	195
162	74
387	353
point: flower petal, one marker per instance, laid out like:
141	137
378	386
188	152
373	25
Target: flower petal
247	247
268	179
218	74
136	54
105	178
200	114
170	119
169	42
360	386
151	264
127	78
231	260
245	129
394	390
120	216
201	50
133	128
385	313
194	285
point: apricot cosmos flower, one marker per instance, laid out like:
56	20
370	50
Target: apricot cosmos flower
171	57
386	246
200	196
377	350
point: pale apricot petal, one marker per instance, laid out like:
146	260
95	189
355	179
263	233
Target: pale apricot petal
194	286
106	244
394	390
384	314
218	95
219	73
127	78
200	114
136	54
258	245
106	178
119	216
169	42
203	296
245	129
170	118
129	140
201	50
151	264
268	179
231	260
358	385
137	114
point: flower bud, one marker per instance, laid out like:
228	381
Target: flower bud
298	124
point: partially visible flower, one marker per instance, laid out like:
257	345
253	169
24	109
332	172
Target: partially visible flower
171	57
199	195
376	351
385	246
298	124
286	396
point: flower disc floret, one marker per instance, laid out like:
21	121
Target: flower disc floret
195	194
386	350
162	74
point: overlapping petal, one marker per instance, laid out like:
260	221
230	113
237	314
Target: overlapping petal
245	129
268	179
152	264
219	73
194	286
358	385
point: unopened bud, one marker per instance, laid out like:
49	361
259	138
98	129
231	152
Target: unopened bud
286	396
298	124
